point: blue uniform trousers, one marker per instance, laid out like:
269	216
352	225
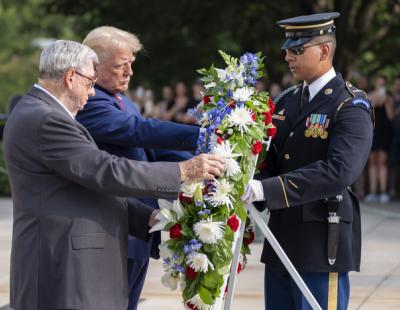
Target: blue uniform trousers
137	270
330	289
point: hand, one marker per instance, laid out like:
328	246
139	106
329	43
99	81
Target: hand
153	218
202	167
253	192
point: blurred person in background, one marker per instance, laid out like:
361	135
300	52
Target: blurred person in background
274	90
260	86
167	99
395	148
378	158
177	112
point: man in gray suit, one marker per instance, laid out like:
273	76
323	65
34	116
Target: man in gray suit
70	230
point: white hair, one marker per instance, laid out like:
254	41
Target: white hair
102	39
62	55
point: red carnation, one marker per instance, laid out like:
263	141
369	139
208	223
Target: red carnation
240	268
257	147
254	116
271	105
191	306
233	222
206	99
232	103
175	231
185	199
226	289
191	273
268	117
250	239
220	140
271	132
218	132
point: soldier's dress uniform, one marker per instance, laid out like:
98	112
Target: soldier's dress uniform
320	149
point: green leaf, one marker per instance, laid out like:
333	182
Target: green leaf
205	295
241	211
212	279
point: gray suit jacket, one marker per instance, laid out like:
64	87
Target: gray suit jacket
70	230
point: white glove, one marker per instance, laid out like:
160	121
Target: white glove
253	192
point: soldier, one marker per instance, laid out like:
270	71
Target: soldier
323	140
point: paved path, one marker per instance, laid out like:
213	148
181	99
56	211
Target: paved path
377	286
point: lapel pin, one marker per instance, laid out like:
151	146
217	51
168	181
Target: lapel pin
328	91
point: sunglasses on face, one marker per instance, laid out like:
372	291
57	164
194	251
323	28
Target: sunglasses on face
300	49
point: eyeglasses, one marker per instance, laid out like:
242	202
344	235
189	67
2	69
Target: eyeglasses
92	80
300	49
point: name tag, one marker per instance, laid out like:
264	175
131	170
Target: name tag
278	117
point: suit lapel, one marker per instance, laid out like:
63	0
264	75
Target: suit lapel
38	93
324	96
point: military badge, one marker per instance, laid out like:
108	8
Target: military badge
328	91
316	126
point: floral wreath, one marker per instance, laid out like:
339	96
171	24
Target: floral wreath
203	222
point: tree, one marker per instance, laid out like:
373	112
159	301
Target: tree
181	35
21	22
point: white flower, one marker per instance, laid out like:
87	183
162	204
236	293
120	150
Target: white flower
213	140
198	303
165	252
210	85
177	208
199	262
168	280
188	188
208	231
225	151
165	215
221	74
241	117
220	195
243	94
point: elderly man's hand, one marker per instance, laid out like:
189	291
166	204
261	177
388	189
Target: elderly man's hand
253	192
202	167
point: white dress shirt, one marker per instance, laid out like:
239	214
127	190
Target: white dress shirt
319	83
55	98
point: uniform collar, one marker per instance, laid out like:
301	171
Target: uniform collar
319	83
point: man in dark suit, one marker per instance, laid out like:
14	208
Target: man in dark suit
117	127
324	135
70	230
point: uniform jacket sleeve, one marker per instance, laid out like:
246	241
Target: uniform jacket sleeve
108	124
348	151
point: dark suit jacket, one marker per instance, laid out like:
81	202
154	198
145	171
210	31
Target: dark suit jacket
70	231
302	170
118	128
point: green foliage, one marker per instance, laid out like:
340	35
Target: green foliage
4	184
184	35
22	23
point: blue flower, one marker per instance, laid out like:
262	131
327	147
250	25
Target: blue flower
178	268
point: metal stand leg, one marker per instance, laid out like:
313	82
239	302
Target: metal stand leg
283	257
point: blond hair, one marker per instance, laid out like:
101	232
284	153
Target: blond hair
104	38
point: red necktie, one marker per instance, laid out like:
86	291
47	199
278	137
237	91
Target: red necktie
120	102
